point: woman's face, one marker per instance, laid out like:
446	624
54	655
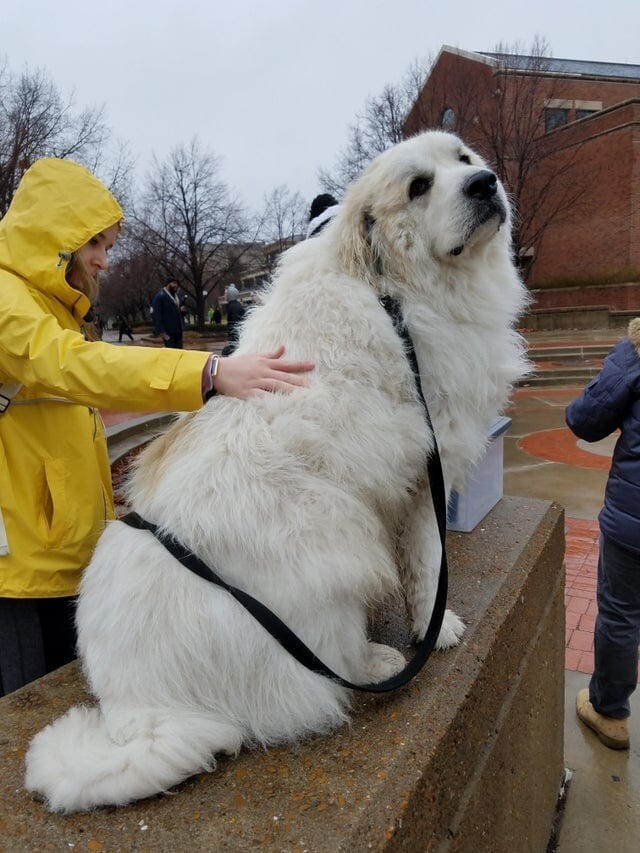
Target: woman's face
94	253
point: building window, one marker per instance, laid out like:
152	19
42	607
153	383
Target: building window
448	120
555	117
585	113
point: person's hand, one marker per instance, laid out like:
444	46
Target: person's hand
250	375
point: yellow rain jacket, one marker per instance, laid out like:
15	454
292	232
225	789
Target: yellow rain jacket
55	480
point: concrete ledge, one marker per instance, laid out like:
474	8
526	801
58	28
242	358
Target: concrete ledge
468	757
580	317
126	436
577	317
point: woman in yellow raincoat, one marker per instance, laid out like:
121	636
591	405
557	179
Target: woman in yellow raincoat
55	483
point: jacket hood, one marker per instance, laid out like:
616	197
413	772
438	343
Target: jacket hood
634	333
58	206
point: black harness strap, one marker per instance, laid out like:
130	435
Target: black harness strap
275	626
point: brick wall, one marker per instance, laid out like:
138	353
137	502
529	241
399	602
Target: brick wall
596	238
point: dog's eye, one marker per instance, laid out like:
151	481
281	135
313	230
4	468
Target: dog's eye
419	186
464	158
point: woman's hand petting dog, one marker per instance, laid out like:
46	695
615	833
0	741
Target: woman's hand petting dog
252	375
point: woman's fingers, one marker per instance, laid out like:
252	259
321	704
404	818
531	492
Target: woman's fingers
242	375
293	366
287	366
276	353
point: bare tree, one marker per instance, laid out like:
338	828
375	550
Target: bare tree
130	284
35	121
190	224
284	219
114	165
379	126
541	184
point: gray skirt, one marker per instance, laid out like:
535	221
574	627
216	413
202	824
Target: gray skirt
37	635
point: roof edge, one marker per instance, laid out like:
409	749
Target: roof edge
466	54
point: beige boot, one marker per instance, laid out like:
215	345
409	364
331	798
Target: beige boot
612	733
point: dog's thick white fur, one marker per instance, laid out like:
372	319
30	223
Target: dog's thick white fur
316	502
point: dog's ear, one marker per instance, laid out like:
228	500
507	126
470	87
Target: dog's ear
358	242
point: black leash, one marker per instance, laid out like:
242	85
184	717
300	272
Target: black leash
274	625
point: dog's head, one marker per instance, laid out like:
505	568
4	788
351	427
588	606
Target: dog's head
428	201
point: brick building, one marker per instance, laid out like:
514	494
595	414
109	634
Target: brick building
564	135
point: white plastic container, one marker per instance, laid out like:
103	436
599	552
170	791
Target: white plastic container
484	487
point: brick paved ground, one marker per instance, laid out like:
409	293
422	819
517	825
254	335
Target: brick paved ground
559	445
581	565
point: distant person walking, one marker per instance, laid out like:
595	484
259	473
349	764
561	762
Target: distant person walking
123	329
167	314
235	313
611	401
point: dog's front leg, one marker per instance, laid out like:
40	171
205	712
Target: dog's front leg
420	555
381	662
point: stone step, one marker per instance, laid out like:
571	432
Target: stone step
569	353
565	364
569	370
575	377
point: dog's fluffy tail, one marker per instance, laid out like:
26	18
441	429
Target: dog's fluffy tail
79	762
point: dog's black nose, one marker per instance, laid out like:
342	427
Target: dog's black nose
481	185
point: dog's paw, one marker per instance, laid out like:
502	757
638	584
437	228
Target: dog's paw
382	662
450	632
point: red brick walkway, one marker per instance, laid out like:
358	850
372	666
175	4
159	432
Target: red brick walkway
581	565
581	560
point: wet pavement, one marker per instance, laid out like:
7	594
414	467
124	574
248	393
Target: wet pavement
542	459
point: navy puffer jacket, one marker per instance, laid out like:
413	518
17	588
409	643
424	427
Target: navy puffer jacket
612	401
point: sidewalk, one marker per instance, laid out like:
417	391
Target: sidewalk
544	459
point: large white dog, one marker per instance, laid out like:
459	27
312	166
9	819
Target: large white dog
315	503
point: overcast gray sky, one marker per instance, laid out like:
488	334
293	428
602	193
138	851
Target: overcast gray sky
271	86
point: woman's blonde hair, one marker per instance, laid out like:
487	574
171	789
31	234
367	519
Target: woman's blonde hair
87	284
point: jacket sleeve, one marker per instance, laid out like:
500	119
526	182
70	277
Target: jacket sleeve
50	360
158	314
601	407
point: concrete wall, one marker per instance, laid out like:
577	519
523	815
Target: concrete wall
596	317
617	297
588	317
468	757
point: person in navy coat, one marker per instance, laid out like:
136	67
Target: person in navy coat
611	402
167	314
